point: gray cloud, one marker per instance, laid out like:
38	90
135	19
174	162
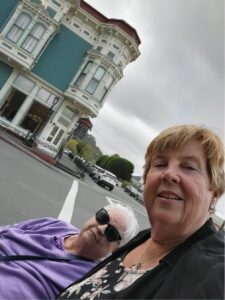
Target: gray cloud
179	77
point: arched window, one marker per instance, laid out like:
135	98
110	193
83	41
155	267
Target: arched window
94	82
85	71
33	37
18	27
105	88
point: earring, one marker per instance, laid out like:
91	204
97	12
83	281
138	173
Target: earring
212	208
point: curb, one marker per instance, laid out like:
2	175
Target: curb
43	158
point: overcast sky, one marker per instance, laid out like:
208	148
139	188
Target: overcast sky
178	78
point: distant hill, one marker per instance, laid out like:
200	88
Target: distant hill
90	140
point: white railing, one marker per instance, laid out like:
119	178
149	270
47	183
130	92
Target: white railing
83	98
16	129
15	54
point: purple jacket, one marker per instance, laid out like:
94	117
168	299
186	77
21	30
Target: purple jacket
41	279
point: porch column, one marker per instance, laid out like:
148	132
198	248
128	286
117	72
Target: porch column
24	107
5	90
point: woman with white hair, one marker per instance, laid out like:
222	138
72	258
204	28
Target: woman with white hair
41	257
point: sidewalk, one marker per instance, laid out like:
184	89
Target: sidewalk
64	163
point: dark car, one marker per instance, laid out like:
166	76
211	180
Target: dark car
130	190
68	152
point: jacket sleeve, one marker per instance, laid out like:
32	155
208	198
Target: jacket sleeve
32	224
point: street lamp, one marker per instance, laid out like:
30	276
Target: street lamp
55	101
30	137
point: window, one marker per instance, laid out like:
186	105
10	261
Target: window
83	74
76	25
106	87
98	49
52	134
26	32
18	27
56	3
111	54
116	47
24	83
94	82
58	137
45	96
66	117
86	32
33	37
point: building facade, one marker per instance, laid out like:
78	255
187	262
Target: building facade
59	60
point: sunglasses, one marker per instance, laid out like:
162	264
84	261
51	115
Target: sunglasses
102	217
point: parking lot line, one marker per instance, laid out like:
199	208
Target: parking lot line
68	206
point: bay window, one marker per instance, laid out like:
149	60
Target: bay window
106	87
18	28
94	82
26	32
85	71
33	37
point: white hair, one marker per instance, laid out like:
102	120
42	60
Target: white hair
132	225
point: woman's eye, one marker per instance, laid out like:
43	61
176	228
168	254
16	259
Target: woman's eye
159	165
189	167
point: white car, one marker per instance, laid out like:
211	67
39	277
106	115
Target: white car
106	180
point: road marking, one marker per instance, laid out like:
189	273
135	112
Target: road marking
113	200
68	206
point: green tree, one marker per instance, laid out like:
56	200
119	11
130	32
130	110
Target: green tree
84	150
101	160
106	161
72	145
121	167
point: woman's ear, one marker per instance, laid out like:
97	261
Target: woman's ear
214	200
212	206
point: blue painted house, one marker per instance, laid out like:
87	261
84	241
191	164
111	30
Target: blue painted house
59	60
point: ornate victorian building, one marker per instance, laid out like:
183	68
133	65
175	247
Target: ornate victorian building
59	60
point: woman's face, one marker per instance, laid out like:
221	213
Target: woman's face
92	237
177	190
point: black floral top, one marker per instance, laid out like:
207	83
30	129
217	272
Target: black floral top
98	284
193	270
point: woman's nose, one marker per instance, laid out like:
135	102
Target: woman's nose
170	175
102	228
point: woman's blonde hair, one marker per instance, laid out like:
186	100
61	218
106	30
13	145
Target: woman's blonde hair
177	136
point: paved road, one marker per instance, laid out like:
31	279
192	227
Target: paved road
30	189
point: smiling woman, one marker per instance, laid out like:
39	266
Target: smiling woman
182	256
177	190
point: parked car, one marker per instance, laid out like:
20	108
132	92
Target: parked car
106	180
139	197
100	172
68	152
132	191
95	172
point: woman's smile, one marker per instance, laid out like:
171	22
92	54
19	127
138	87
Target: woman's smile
169	195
